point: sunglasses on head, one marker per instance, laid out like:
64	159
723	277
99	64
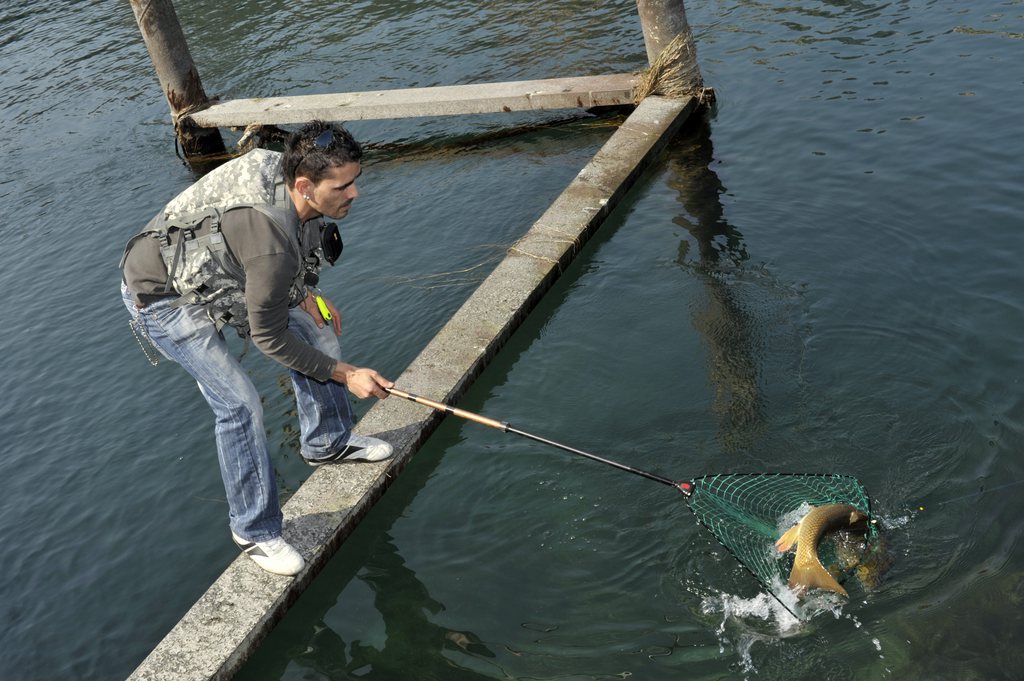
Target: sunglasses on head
321	143
324	139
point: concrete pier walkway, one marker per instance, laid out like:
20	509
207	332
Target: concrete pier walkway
228	622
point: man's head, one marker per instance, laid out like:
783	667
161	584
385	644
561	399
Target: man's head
321	164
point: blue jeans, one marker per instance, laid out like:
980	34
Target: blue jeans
187	336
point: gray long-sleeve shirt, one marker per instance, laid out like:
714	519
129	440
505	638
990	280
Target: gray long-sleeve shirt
269	261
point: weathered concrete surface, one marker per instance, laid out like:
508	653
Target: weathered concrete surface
530	95
227	623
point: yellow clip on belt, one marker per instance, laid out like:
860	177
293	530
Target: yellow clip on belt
324	312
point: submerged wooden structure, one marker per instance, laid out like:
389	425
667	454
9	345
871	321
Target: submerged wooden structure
228	622
197	119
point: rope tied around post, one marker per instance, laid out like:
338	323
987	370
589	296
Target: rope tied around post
188	136
182	118
674	73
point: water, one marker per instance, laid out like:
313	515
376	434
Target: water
822	277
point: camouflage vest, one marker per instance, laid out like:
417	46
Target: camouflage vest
200	267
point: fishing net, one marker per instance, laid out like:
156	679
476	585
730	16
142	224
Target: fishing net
744	512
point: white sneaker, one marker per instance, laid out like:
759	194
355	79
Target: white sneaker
358	448
274	555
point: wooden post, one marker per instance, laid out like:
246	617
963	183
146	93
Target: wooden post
661	20
178	77
664	21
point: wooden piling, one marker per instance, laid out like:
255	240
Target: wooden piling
670	48
661	20
178	76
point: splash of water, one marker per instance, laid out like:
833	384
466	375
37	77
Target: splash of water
764	618
895	523
747	621
793	517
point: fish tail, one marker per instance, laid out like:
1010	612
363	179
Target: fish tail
814	576
787	540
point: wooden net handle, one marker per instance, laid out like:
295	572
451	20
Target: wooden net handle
440	406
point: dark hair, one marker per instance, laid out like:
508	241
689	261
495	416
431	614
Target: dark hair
311	151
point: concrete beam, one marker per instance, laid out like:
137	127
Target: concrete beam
228	622
554	93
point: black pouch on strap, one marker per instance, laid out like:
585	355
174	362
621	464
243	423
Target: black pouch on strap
330	242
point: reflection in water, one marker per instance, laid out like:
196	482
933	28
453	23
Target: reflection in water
411	638
730	331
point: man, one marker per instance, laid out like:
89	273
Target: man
243	247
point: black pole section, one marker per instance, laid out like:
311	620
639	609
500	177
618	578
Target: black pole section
593	457
684	487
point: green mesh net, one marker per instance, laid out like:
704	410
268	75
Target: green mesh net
744	512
